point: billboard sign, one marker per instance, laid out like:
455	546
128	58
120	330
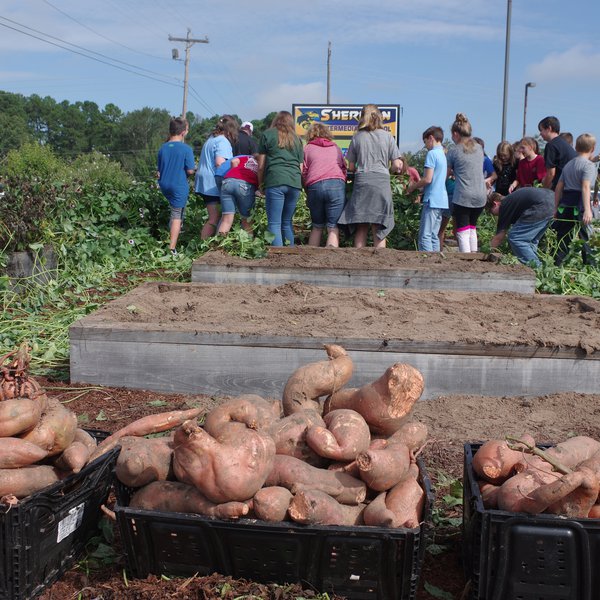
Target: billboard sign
342	120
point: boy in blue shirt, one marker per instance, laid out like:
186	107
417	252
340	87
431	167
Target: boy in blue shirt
175	164
435	196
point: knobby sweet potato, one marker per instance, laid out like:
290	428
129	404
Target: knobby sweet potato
18	416
289	435
346	435
142	460
234	467
174	496
402	506
15	381
253	411
384	403
55	430
16	453
383	468
146	426
411	433
313	507
495	462
296	475
310	382
27	480
271	503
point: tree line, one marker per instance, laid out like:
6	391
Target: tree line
74	128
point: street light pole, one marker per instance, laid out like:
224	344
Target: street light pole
506	62
527	86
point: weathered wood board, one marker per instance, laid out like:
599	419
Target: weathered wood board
410	273
137	355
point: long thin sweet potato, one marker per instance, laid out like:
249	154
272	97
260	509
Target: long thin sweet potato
18	415
346	435
384	403
142	460
271	503
145	426
310	382
313	507
296	476
27	480
234	467
174	496
16	453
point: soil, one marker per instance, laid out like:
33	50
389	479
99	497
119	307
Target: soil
452	420
302	310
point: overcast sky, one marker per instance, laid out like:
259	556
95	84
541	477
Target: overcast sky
433	58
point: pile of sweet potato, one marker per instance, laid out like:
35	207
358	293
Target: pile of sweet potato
40	442
514	475
347	460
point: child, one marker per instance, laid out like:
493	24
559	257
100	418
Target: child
531	167
505	169
573	199
433	182
175	163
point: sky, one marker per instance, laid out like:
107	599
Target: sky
433	58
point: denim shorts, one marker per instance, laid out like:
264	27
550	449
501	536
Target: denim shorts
208	199
325	200
237	194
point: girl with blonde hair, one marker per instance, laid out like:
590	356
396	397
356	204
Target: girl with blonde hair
324	177
369	156
465	159
505	169
279	163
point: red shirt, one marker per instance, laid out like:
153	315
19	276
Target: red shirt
529	171
247	170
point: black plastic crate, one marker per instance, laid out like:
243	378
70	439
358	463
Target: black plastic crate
516	556
46	533
361	563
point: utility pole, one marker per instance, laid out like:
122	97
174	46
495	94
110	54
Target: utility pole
506	63
328	72
189	42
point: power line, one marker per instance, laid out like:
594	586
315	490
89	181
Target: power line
102	35
85	50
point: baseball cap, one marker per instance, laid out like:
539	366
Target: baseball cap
248	125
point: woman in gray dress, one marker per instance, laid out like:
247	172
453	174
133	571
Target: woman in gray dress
369	155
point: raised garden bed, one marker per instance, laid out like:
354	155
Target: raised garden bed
233	339
365	267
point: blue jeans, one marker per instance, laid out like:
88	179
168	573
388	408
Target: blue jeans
281	203
524	239
325	200
237	194
431	219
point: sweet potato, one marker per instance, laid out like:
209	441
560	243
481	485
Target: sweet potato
27	480
489	494
55	430
495	462
384	403
146	426
16	453
18	416
174	496
310	382
234	467
346	434
383	468
15	381
413	434
253	411
289	435
296	476
73	458
402	506
569	453
142	461
271	503
313	507
594	512
85	438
